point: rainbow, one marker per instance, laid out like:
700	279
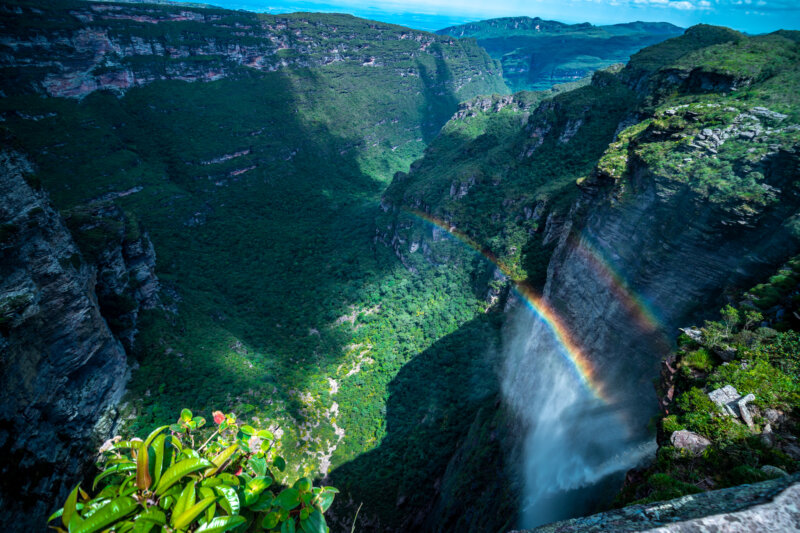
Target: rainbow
573	355
634	304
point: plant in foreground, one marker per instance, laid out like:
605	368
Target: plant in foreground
166	483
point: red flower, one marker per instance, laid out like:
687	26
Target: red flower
219	418
239	472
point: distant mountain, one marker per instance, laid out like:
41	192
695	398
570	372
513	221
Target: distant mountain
537	54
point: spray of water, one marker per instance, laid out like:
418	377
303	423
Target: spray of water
576	445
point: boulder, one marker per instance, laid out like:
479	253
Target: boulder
774	416
743	412
693	333
774	471
686	440
726	353
725	398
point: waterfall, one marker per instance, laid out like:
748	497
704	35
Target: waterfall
576	446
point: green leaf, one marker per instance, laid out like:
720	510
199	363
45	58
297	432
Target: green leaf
185	500
303	484
315	523
192	512
254	488
288	499
288	526
69	507
325	500
248	430
113	511
221	524
206	492
264	502
143	478
279	463
158	462
199	421
116	469
230	499
123	527
221	458
229	479
152	514
60	512
186	415
270	521
259	465
178	471
265	435
148	520
189	453
143	526
258	485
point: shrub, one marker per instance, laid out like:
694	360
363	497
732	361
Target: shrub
747	474
698	360
666	487
167	483
670	424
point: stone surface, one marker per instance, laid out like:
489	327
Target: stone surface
95	55
61	368
768	506
744	412
693	333
774	471
726	398
686	440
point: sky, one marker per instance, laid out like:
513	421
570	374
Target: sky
751	16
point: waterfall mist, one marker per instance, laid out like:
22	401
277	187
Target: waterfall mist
576	447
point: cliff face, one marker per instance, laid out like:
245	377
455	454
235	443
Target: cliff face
125	260
676	252
62	369
95	46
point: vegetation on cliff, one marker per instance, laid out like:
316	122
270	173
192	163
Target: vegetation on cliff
754	348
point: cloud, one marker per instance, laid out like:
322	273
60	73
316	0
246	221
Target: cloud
761	5
682	5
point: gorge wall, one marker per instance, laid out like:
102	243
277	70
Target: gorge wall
63	371
691	197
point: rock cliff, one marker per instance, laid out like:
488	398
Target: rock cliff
97	46
62	369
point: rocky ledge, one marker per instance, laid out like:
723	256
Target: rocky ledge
772	505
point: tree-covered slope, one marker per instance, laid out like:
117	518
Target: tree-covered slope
251	151
537	53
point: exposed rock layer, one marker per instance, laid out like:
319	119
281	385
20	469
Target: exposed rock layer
96	46
61	367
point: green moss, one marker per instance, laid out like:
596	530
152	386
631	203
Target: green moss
665	487
699	359
670	424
